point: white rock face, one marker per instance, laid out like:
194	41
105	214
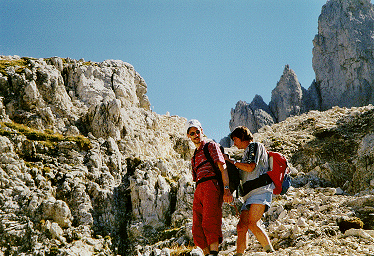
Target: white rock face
56	210
150	197
184	202
70	190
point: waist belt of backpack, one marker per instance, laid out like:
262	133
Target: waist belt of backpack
205	179
250	185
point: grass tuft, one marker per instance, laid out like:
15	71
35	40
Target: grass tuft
48	136
4	64
181	250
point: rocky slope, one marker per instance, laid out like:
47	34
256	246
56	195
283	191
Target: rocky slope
329	210
86	168
332	156
342	61
71	136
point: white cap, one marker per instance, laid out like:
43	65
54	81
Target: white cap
193	123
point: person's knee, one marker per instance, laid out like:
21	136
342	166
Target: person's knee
242	226
253	225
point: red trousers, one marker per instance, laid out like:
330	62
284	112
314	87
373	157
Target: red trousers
207	214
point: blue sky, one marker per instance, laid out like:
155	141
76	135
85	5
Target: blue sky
198	57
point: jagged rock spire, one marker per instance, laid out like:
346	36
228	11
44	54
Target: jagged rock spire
286	98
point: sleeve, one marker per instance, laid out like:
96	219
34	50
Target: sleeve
216	153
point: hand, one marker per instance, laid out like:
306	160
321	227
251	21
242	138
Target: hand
226	157
227	196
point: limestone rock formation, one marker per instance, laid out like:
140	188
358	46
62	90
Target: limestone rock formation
253	115
343	58
331	132
287	97
81	151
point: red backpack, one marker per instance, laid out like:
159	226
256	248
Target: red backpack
278	174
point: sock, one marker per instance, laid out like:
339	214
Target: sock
268	248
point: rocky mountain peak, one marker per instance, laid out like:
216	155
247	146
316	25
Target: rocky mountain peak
286	98
342	54
253	115
342	61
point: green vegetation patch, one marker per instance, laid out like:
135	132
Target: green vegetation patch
82	142
90	63
4	64
47	136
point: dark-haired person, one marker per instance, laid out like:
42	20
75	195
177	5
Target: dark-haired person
256	202
210	192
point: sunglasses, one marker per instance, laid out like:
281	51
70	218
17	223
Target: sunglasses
193	133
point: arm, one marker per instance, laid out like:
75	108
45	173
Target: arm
227	196
247	167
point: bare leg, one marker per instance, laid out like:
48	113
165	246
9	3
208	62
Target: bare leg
211	247
242	229
214	246
206	250
250	219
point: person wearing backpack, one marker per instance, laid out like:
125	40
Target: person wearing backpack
253	164
212	189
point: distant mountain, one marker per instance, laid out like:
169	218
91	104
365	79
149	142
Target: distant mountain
343	62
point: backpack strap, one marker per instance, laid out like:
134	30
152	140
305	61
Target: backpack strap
201	164
260	181
217	171
252	151
194	169
206	179
250	185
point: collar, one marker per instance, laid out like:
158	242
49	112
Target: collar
203	142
